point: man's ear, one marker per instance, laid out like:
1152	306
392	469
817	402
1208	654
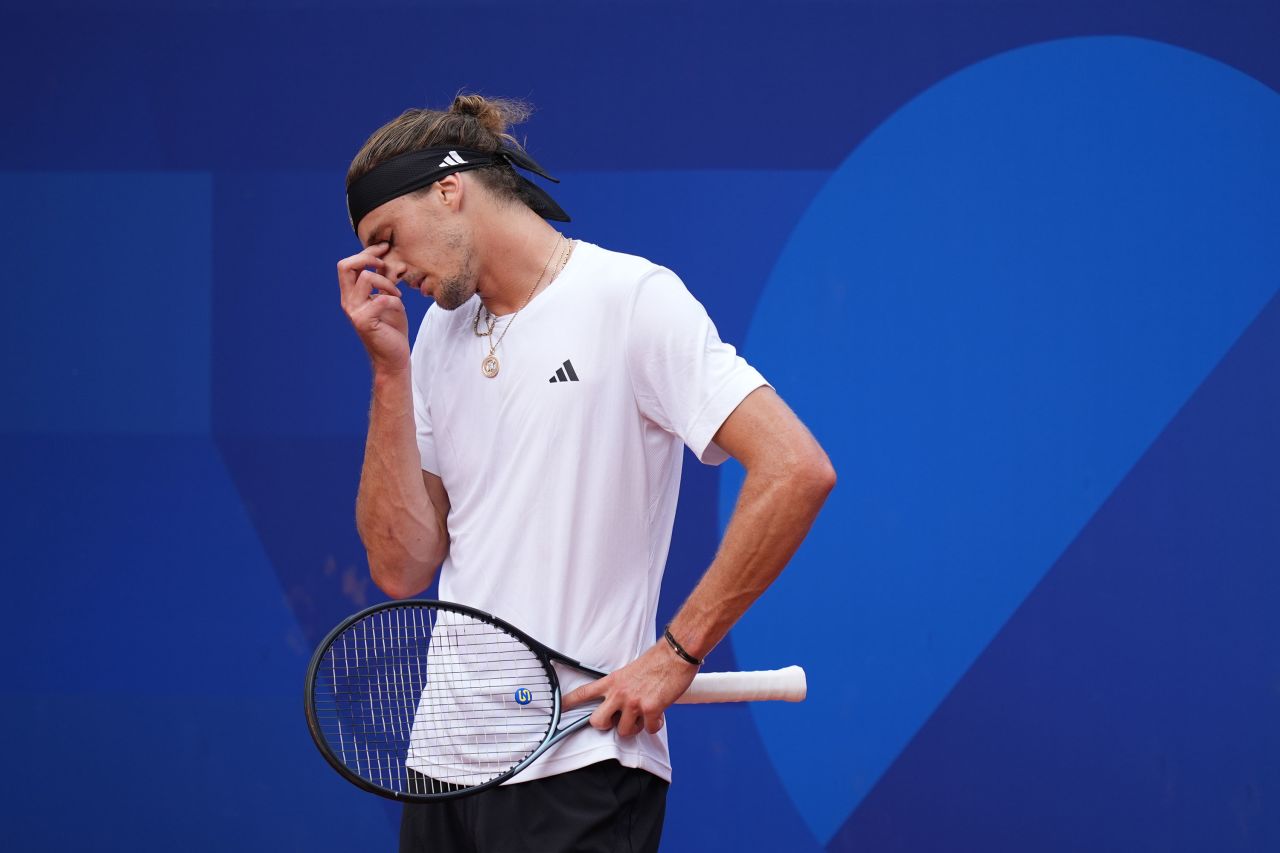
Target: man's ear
450	190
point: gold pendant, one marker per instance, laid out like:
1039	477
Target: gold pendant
489	367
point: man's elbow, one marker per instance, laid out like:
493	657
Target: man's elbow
815	476
401	580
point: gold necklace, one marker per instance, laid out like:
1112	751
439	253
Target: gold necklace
475	324
490	366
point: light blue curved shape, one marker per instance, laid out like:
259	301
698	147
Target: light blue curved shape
988	313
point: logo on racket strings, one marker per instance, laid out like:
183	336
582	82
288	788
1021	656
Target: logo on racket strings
524	696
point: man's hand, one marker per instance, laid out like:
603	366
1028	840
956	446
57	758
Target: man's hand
374	306
636	696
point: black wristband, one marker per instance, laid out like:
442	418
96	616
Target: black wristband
679	649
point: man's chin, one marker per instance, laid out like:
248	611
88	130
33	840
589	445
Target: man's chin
450	299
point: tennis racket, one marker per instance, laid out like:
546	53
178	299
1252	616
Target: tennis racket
423	700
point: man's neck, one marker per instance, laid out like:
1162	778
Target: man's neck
516	257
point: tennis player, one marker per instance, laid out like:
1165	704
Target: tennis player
528	446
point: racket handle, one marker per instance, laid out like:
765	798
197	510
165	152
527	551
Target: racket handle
786	685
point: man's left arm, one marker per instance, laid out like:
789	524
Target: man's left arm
788	477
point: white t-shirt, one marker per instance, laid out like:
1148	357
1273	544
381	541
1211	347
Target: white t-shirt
563	470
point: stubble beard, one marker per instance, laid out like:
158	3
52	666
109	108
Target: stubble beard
457	289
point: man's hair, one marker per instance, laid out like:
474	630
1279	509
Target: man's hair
473	121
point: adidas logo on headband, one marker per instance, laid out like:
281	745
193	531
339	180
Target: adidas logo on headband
452	160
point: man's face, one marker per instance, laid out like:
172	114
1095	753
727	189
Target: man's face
428	249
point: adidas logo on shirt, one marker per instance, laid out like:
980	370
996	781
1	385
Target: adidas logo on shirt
452	160
564	373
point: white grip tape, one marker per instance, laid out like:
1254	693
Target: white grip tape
786	685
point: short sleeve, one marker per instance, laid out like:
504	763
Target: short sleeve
420	371
685	379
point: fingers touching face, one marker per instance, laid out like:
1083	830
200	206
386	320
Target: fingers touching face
422	247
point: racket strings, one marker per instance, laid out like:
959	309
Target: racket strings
424	700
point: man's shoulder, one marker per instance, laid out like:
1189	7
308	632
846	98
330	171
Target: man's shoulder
615	271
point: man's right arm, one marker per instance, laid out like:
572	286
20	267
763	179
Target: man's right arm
401	510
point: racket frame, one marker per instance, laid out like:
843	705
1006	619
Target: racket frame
545	654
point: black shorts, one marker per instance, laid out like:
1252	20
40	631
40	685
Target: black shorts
601	808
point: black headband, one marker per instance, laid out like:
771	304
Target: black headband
418	169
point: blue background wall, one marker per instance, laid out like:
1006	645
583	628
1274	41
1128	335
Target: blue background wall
1015	264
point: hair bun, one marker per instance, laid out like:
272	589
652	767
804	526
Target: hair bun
494	114
490	115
